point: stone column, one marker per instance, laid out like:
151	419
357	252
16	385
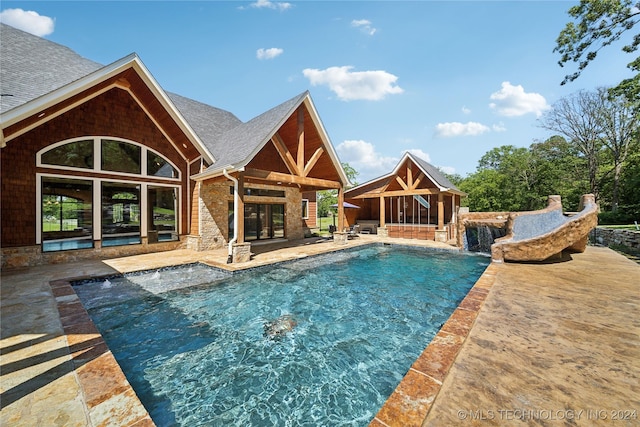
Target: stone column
241	252
340	238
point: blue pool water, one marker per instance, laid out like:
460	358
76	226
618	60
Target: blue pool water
192	341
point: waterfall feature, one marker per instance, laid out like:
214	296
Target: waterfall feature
481	237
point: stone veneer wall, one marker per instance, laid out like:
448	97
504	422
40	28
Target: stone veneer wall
214	215
28	256
214	207
611	236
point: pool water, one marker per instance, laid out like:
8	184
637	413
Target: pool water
197	347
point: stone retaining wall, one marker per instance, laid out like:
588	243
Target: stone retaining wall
611	236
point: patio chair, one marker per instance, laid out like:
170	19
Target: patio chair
353	231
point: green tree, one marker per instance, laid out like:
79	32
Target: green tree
326	198
599	23
619	132
577	117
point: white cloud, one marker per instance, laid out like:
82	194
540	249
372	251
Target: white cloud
513	101
500	127
465	110
451	129
28	20
364	158
364	25
268	53
266	4
353	85
447	169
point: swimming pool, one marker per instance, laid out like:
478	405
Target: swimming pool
197	346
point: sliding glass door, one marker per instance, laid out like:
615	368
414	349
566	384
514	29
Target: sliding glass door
263	221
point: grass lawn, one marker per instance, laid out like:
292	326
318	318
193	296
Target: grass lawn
623	227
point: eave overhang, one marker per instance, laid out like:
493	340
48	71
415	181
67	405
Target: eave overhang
54	97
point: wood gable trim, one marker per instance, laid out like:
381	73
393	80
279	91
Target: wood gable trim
290	179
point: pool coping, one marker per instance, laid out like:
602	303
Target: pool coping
109	396
410	403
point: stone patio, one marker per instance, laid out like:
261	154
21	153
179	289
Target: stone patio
549	344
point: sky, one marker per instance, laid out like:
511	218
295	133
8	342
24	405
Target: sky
446	80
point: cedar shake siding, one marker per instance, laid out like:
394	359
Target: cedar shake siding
112	114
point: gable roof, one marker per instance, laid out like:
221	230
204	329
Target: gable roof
36	73
430	171
236	147
33	67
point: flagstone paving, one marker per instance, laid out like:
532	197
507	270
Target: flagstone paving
532	344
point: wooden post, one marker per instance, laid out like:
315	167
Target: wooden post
240	209
440	211
300	140
340	209
382	212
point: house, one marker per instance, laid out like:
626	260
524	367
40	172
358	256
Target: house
99	161
414	201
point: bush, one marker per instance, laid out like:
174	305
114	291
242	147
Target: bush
625	215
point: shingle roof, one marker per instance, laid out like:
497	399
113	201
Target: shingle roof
31	67
431	171
208	122
237	146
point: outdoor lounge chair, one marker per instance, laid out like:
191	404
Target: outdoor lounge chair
353	231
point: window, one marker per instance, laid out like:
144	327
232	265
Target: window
78	154
127	191
120	214
261	221
108	155
119	156
66	214
305	208
163	206
159	166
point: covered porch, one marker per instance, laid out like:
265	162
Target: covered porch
415	201
257	196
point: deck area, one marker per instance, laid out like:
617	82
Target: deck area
547	342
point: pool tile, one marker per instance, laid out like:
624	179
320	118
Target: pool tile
438	357
460	322
409	403
122	409
101	379
471	304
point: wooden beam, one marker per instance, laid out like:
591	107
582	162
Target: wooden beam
300	139
382	212
409	175
417	181
376	194
312	161
401	182
290	179
285	154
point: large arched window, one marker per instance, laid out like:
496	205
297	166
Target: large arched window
141	200
107	155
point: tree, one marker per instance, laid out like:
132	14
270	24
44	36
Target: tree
619	129
577	118
601	23
326	198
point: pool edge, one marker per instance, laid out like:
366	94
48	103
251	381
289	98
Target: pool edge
108	395
410	403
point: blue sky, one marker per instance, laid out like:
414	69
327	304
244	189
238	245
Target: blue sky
448	81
